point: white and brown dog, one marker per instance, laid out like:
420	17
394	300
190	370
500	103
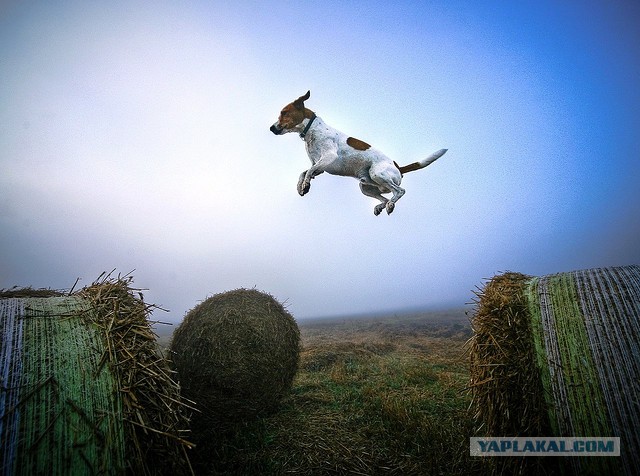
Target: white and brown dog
334	152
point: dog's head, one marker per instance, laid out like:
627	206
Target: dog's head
292	116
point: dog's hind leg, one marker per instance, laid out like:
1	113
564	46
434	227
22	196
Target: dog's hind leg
388	181
374	191
397	193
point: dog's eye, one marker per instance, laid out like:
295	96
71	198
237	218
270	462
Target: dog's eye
283	113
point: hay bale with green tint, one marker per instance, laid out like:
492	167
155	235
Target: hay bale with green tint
83	390
559	355
236	355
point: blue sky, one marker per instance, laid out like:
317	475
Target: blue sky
135	135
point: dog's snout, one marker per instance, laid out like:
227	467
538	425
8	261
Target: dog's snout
276	130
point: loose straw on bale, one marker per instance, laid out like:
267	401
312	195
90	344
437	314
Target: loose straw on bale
83	388
559	355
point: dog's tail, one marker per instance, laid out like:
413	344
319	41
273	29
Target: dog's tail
423	163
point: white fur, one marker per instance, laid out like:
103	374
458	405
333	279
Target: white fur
329	152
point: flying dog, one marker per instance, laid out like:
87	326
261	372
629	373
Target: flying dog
336	153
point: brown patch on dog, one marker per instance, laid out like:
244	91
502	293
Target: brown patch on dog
357	144
409	168
292	115
299	103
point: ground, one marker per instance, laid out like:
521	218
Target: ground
373	395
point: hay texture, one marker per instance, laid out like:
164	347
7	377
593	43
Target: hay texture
236	355
559	355
83	389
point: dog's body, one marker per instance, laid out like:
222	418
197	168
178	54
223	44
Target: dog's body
336	153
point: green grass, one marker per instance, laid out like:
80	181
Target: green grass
371	397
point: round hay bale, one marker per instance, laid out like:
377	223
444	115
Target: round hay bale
236	355
82	389
558	355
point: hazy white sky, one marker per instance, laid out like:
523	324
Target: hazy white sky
135	135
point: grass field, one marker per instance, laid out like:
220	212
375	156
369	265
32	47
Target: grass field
372	396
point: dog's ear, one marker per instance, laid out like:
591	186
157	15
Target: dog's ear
299	103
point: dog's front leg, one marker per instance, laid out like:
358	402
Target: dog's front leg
304	182
302	189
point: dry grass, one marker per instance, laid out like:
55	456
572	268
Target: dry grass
17	292
507	393
236	354
505	380
372	396
91	384
153	411
550	357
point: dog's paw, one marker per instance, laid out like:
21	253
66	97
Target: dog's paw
378	209
390	206
303	185
303	188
